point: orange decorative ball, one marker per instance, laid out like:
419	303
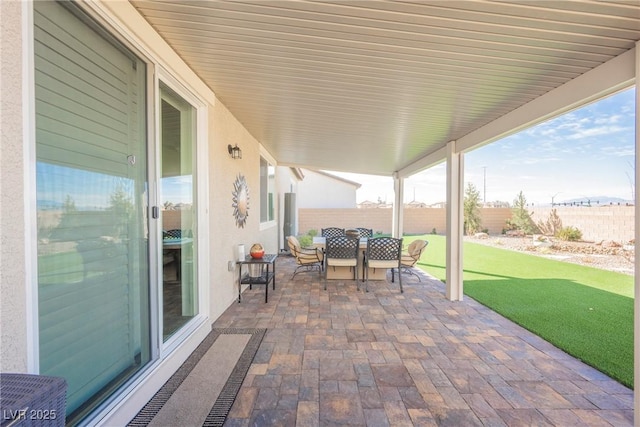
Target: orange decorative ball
256	251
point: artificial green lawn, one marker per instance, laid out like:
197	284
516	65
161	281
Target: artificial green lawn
585	311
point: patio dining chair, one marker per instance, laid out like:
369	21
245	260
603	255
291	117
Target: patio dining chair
410	257
172	234
342	251
332	232
365	232
308	259
383	252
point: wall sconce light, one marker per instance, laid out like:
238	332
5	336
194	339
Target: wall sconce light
235	152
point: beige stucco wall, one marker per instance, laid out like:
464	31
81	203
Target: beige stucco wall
379	220
13	295
224	233
416	221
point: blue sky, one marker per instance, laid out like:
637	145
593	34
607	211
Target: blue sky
586	153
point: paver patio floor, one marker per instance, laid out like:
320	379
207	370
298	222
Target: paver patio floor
382	358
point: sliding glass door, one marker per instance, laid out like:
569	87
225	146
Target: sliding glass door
93	250
177	193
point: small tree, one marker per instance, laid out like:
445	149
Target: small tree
121	205
67	228
521	217
472	222
69	205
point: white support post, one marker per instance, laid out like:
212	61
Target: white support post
455	221
636	302
398	206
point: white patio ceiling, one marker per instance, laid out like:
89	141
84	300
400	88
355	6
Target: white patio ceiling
375	86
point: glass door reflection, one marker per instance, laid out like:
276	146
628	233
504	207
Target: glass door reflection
177	190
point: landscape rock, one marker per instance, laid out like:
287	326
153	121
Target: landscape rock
603	256
610	244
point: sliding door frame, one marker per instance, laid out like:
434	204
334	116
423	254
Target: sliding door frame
202	201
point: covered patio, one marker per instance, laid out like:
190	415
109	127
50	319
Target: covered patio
384	358
372	87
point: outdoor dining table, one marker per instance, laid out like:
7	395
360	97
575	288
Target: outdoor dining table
343	273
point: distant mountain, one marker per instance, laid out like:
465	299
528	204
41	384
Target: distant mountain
48	205
595	201
52	205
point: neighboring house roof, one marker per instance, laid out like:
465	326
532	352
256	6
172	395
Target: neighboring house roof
416	204
367	204
438	205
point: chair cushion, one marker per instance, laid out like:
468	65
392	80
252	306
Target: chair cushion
408	260
342	262
293	241
416	247
308	255
382	263
413	253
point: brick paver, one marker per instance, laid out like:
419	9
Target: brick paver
382	358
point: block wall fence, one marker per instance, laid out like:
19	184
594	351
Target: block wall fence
596	223
172	220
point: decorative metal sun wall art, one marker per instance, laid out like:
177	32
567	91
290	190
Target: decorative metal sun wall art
240	200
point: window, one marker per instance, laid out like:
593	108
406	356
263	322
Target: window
267	186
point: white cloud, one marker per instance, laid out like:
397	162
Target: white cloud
595	131
612	119
619	151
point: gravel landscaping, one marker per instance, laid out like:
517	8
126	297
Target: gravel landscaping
605	255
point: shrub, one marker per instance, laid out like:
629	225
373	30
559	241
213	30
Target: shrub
552	225
313	232
305	241
569	234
